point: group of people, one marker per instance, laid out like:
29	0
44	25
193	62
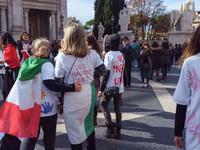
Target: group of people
150	58
32	80
33	76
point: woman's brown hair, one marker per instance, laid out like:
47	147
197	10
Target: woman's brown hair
193	47
21	35
92	42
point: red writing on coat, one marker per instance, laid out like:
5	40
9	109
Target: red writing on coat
120	58
118	80
118	68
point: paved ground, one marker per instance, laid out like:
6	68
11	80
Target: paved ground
148	118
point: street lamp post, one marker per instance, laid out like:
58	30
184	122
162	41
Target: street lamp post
61	21
112	20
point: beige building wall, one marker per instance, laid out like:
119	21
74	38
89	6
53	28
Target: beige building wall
41	18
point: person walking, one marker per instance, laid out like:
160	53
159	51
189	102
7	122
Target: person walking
157	61
127	50
11	58
93	45
171	48
187	96
145	64
114	62
75	62
166	59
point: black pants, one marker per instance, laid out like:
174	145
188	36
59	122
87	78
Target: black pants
48	125
90	143
127	73
10	142
104	102
11	76
4	86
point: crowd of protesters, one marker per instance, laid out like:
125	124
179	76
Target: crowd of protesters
75	64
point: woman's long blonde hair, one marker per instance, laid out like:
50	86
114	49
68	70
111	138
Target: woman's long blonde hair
74	41
40	47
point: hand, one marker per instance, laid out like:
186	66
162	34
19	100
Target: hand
1	61
178	141
103	53
47	107
78	86
99	93
29	46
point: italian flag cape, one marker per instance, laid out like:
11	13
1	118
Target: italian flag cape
20	114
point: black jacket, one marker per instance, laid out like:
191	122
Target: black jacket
127	52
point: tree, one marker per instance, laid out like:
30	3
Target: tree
88	25
145	16
73	20
104	9
98	16
112	7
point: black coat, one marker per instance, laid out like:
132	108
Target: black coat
157	58
127	52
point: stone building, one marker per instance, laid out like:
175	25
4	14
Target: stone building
40	18
196	22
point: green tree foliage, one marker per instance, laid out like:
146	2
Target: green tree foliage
88	25
103	14
98	16
112	7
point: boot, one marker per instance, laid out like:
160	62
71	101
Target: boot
118	130
110	132
95	115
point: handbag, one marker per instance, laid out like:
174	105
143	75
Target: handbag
113	90
145	66
60	106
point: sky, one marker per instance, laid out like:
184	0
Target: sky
83	10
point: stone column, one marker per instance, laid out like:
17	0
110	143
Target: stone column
10	21
53	24
3	19
17	13
26	19
38	24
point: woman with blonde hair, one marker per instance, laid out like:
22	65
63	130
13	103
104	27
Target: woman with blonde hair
187	95
76	62
32	98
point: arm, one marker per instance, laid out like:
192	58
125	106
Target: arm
56	86
104	81
99	71
179	124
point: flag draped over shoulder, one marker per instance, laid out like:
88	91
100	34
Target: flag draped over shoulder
20	114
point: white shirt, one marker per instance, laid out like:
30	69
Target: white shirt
82	70
114	61
188	93
50	102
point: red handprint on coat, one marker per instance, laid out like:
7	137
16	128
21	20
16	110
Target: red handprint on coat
193	80
192	125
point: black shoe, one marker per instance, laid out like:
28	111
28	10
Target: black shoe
110	132
118	130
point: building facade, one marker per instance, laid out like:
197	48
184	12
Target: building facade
196	22
40	18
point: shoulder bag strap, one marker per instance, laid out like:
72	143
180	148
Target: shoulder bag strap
70	70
